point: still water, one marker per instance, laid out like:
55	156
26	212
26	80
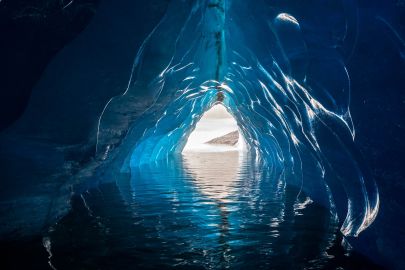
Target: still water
199	211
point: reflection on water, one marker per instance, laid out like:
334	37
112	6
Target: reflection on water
214	173
199	211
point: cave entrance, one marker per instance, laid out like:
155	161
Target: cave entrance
214	153
217	131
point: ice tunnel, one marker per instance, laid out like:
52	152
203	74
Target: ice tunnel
292	117
126	95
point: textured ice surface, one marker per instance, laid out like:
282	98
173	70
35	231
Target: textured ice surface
290	99
132	95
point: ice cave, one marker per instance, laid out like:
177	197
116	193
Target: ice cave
202	134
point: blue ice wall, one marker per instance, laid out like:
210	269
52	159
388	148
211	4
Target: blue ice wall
130	89
58	131
291	100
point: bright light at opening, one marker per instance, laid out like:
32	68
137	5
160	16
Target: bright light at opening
213	133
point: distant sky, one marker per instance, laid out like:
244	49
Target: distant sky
217	111
215	123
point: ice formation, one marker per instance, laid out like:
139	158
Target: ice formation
132	96
292	106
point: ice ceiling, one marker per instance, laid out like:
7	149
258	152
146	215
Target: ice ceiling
284	82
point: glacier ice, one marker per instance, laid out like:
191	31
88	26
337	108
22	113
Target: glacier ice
292	105
123	96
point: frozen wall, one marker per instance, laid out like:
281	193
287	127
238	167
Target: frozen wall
131	89
290	98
